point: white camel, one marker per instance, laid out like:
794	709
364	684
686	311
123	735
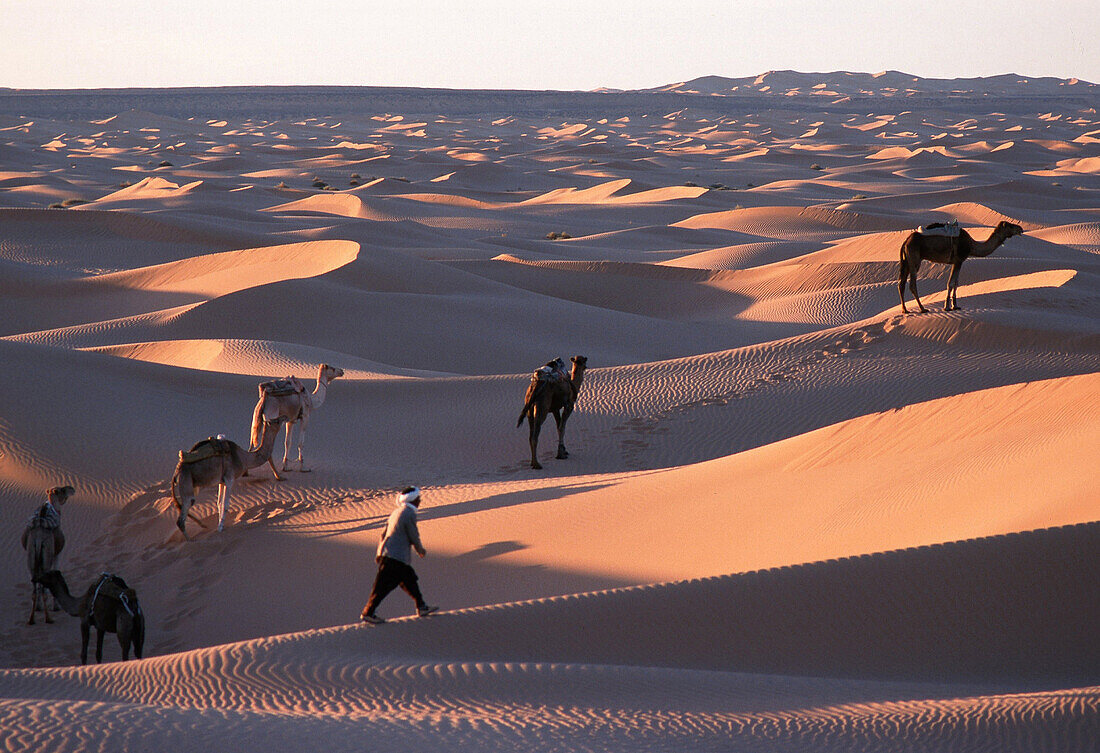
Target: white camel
288	399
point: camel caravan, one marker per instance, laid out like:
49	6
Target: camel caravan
110	606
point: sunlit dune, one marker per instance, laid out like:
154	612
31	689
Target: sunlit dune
789	515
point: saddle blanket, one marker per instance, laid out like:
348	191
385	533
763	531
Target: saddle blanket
207	448
279	387
46	517
553	370
947	229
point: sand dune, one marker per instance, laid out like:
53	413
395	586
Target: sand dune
791	518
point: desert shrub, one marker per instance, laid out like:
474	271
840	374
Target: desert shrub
816	166
164	163
859	196
318	183
353	182
689	184
125	184
556	236
65	204
281	184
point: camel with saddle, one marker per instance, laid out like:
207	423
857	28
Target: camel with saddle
288	398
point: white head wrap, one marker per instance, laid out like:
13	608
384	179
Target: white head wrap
410	497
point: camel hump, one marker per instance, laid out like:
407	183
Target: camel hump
207	448
552	371
947	229
279	387
45	517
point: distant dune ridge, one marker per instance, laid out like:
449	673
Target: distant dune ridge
792	518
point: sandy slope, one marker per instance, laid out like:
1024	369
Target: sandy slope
792	518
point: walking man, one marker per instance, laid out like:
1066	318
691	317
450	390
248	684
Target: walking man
394	557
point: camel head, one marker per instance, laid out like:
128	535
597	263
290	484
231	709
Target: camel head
328	373
52	579
59	495
580	363
1007	229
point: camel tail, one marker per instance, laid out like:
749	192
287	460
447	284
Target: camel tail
138	635
257	423
533	391
39	555
176	483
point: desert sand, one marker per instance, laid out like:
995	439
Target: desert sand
792	518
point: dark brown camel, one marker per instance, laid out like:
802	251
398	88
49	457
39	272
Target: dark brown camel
551	392
942	249
109	606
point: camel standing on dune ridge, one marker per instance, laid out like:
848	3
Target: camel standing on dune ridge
943	249
548	394
221	462
43	540
289	399
109	605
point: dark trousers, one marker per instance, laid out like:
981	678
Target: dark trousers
391	574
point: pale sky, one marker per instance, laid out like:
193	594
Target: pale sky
550	44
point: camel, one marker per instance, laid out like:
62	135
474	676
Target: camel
289	399
109	606
218	461
943	249
550	391
43	540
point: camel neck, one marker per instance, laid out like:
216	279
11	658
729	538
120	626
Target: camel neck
259	456
989	245
319	392
66	600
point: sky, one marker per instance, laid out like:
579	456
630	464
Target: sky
550	44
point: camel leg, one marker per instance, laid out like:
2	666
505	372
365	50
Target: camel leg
561	418
124	639
534	421
288	444
45	601
913	287
34	602
100	634
952	301
903	273
224	490
275	472
84	630
302	441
